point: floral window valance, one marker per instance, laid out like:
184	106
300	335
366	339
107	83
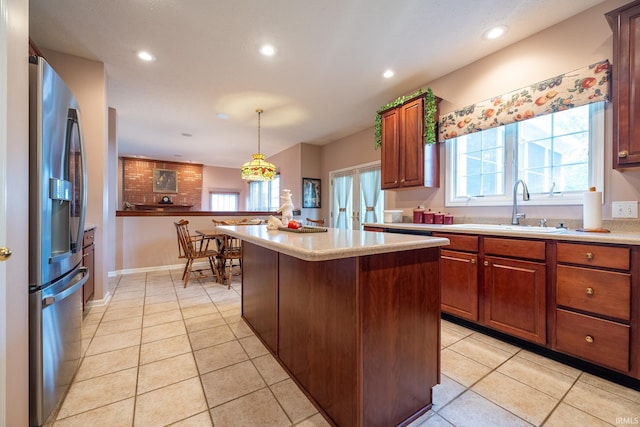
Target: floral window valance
569	90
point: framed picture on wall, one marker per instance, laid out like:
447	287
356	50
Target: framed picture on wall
165	181
310	193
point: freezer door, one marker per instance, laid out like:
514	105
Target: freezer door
55	321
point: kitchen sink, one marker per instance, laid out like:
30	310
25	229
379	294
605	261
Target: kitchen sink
508	227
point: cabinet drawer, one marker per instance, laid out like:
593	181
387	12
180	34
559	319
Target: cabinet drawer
594	255
596	340
602	292
88	237
460	242
529	249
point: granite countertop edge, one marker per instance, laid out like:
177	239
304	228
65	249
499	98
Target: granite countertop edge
629	238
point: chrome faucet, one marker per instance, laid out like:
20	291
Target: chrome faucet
515	218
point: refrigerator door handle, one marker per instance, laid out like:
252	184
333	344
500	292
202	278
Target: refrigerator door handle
73	120
47	301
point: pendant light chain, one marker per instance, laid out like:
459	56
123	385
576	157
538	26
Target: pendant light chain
259	111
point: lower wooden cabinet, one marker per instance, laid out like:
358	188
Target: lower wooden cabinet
459	284
88	260
593	304
579	299
515	297
459	276
596	340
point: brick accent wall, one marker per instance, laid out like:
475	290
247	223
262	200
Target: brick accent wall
138	182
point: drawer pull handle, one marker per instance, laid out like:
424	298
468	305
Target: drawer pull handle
589	339
589	291
588	255
473	261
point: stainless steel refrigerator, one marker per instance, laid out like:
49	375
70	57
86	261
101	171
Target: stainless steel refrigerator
57	205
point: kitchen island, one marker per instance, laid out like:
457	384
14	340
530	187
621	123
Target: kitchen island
354	317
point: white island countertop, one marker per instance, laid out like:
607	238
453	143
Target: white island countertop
333	244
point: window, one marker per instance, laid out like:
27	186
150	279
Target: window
559	156
264	195
223	201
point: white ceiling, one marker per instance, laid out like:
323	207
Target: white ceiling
324	83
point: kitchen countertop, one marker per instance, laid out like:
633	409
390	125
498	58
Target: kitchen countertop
333	244
627	238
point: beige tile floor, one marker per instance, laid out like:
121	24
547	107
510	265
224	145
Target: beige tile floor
160	354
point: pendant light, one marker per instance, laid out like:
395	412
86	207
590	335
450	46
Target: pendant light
258	169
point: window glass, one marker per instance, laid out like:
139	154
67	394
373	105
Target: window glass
480	159
264	195
553	151
221	201
558	155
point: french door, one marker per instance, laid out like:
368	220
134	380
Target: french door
356	196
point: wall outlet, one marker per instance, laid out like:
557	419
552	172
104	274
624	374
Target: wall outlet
624	210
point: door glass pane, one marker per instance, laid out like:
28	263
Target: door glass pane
342	201
371	196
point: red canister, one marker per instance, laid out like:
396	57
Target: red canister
438	218
448	219
417	215
428	217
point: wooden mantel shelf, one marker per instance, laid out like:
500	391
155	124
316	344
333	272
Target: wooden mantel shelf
161	207
187	212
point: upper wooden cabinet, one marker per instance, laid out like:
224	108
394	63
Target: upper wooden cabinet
406	160
625	23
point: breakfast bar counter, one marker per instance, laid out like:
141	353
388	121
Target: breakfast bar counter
353	316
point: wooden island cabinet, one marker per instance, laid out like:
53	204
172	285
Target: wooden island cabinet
354	317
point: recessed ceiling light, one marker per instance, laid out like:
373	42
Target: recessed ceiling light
146	56
388	74
267	50
495	32
185	134
222	116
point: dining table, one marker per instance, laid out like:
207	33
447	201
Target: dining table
221	240
219	237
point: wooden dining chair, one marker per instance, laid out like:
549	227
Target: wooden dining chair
194	248
316	222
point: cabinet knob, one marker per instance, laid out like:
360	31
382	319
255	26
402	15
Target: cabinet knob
395	182
402	180
486	263
589	339
623	154
473	261
589	291
588	255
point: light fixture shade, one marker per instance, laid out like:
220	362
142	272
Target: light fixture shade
258	169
